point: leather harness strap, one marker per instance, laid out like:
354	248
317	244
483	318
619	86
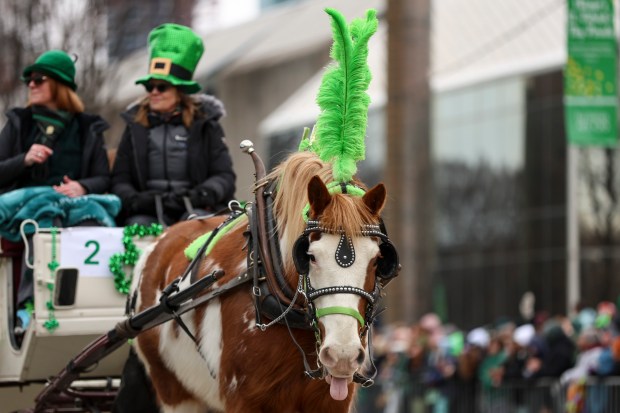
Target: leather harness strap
272	294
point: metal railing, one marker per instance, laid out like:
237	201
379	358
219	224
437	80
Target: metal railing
592	395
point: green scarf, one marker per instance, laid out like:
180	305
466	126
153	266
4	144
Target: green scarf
50	124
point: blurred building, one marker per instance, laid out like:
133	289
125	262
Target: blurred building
500	153
500	160
499	144
253	67
129	22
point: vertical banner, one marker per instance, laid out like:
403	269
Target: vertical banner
590	75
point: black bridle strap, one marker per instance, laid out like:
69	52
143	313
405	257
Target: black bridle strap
344	289
367	381
308	371
170	310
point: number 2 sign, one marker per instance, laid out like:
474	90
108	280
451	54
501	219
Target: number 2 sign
89	249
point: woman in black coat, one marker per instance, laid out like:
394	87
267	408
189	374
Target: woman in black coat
172	159
51	142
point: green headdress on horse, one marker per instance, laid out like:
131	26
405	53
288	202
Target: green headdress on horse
339	134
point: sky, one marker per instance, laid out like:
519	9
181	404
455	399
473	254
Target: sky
223	13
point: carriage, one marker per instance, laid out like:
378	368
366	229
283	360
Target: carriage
73	305
89	313
266	308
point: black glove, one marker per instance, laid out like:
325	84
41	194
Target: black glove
173	202
143	203
200	198
179	192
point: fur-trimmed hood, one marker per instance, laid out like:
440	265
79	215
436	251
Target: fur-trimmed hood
209	107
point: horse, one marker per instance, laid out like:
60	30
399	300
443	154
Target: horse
237	364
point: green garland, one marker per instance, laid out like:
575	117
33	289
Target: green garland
52	323
122	282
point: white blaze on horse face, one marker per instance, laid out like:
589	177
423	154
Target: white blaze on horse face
341	351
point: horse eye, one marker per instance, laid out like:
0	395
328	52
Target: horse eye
311	258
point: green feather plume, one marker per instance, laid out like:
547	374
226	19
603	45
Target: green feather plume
342	97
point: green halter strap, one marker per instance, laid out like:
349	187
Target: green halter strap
320	312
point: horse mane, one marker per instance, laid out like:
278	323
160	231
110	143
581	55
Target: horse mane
348	213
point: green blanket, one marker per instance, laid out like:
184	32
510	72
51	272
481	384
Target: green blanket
44	205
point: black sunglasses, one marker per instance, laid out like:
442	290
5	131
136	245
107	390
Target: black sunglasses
161	87
37	79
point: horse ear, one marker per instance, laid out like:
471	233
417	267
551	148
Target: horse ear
375	199
318	196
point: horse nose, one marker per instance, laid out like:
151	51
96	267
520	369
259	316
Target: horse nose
342	358
361	357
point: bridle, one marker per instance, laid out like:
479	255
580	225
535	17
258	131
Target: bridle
387	268
264	262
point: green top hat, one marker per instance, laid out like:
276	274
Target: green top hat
175	52
56	64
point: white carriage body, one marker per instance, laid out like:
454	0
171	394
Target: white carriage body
97	308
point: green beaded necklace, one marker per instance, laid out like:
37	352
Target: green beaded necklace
122	282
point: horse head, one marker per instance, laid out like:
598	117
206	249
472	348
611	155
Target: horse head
343	254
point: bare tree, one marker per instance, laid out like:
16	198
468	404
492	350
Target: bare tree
601	177
30	27
600	231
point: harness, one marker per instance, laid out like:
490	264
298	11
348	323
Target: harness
273	297
276	300
265	263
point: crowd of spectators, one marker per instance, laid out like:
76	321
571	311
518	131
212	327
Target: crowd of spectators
436	367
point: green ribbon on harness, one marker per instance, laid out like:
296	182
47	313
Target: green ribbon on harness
192	250
51	323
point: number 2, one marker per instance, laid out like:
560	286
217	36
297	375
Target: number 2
90	259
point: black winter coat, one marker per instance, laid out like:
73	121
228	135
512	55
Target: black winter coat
94	171
209	164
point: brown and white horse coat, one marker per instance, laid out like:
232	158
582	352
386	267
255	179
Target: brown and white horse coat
237	367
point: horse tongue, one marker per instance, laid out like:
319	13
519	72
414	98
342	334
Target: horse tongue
338	388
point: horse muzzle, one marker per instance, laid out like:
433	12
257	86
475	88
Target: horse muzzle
343	360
